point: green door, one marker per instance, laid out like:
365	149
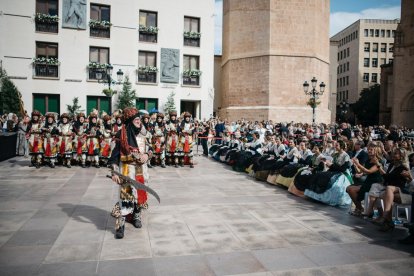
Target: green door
105	105
53	104
152	104
91	103
39	103
140	103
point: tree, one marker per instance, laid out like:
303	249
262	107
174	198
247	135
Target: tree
367	107
127	95
170	104
10	97
74	108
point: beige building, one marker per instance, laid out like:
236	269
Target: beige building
363	47
333	50
269	50
397	80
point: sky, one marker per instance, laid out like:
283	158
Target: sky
343	14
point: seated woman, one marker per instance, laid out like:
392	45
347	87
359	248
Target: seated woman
330	187
371	170
252	150
291	157
288	173
301	181
395	179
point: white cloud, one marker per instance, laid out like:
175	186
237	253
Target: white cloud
341	20
218	26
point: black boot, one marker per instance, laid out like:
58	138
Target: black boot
136	220
120	232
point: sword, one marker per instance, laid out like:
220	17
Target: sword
139	186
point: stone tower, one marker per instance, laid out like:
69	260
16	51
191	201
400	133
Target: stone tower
270	47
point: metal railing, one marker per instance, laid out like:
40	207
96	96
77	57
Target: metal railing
46	70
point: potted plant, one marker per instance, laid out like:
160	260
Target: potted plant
46	61
147	69
109	92
192	35
313	102
46	18
99	24
148	30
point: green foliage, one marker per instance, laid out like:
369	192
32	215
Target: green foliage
74	108
127	95
109	92
10	97
170	104
366	108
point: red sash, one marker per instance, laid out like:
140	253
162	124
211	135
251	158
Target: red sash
173	144
91	147
105	151
62	146
35	145
186	145
79	147
142	195
48	149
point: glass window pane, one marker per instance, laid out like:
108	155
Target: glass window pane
141	58
103	56
94	12
41	6
194	25
105	14
41	50
53	7
152	19
186	62
187	24
93	55
143	18
151	59
52	51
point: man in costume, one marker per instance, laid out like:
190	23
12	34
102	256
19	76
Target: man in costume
185	146
65	141
35	139
51	137
106	138
80	148
148	127
158	141
129	157
172	139
93	133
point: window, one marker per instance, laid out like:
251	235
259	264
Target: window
366	77
341	55
374	77
371	32
147	62
47	7
382	33
340	82
191	31
366	46
375	47
100	103
346	95
388	33
347	66
340	68
146	103
374	62
191	64
376	33
46	103
337	69
366	62
383	47
148	30
347	52
391	60
338	57
337	83
366	32
100	13
393	33
101	56
43	68
391	48
347	80
383	61
356	34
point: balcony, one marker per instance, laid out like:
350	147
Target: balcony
46	23
193	81
192	39
47	27
145	77
148	34
100	32
43	70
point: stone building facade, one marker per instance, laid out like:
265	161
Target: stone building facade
397	86
269	50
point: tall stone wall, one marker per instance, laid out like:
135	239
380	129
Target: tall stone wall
269	50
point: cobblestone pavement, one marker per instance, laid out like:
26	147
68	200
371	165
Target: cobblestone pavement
211	221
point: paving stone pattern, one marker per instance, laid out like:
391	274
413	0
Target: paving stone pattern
211	221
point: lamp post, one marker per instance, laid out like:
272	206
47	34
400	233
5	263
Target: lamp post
343	109
108	79
314	94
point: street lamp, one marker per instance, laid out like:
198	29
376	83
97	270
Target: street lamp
343	109
314	94
108	76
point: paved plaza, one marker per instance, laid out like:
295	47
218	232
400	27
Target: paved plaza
211	221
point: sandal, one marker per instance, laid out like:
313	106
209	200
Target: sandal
356	213
387	226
